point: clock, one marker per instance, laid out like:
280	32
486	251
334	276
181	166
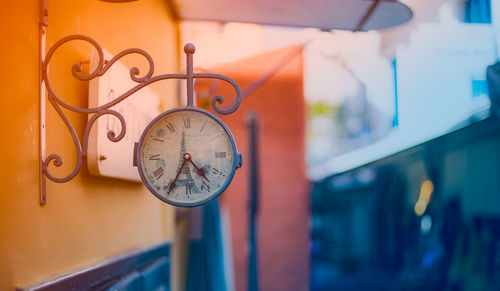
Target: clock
187	156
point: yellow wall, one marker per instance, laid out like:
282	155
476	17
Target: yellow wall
87	220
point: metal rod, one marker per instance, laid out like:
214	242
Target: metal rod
42	137
250	89
189	49
253	133
367	16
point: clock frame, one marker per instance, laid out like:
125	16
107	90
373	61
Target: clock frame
158	190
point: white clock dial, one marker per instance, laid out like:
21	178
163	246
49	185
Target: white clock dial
187	157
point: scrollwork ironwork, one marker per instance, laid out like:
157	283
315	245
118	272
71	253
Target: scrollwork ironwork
96	112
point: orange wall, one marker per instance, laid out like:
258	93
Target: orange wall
283	219
89	219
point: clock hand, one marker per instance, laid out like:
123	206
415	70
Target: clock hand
172	185
199	171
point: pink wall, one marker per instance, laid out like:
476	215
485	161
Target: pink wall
283	221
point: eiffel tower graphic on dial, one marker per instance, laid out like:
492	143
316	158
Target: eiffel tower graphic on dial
185	179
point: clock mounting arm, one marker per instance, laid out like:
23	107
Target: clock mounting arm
49	161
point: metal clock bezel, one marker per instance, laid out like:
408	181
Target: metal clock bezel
237	157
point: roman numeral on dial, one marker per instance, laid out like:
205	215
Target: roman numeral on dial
187	122
170	127
220	154
154	157
203	126
216	172
158	173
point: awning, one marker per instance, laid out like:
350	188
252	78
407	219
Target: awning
356	15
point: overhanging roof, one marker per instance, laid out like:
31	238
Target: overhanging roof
324	14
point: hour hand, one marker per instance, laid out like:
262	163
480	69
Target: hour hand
199	171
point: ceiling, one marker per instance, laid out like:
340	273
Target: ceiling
356	15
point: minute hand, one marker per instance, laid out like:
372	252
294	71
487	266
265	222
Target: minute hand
172	185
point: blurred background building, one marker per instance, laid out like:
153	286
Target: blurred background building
376	140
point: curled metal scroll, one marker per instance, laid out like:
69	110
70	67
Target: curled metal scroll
96	112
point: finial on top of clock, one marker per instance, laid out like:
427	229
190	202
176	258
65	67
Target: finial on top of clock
189	48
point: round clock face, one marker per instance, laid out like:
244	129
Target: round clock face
187	157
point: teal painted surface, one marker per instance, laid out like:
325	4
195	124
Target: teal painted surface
395	121
130	282
206	261
366	234
154	276
147	269
478	11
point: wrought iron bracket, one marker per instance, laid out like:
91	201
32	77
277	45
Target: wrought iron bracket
105	109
